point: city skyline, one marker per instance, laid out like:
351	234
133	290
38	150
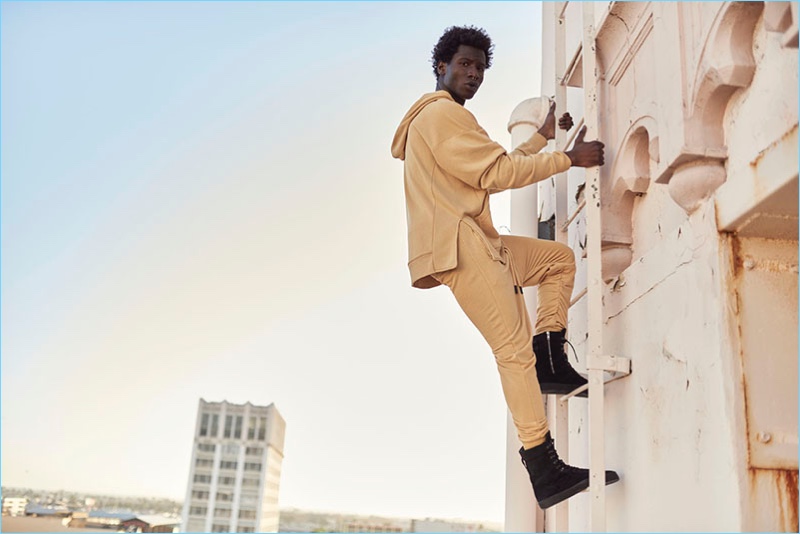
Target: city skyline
199	201
153	506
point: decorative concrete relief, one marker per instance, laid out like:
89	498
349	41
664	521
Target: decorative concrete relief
616	257
695	181
632	167
781	17
627	56
725	66
630	177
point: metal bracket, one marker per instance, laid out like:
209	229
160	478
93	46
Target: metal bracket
614	364
615	367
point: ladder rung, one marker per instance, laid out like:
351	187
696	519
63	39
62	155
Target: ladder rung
614	377
578	297
572	68
565	226
563	9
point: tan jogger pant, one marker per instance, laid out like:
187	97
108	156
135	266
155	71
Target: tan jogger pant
486	284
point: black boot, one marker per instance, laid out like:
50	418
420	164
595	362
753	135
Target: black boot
553	480
556	375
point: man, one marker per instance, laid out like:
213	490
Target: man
450	167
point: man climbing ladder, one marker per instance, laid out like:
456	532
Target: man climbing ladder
450	167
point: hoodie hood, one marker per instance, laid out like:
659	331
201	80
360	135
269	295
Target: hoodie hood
400	136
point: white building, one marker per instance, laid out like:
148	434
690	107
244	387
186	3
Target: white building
697	105
14	505
235	470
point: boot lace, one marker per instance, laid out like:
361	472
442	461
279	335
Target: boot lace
573	349
558	464
555	461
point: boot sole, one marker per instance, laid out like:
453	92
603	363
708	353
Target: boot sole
572	491
550	388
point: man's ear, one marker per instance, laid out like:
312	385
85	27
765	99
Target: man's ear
441	68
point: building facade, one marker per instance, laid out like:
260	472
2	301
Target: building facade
14	506
235	469
697	105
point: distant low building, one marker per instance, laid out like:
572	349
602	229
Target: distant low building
101	519
437	525
151	523
14	505
76	520
367	526
121	521
37	510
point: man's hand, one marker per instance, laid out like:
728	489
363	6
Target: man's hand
548	129
586	154
565	122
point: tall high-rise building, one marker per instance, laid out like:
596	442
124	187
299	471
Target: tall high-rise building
235	470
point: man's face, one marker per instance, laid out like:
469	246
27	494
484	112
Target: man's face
464	74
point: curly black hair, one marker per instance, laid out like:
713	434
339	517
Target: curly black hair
453	37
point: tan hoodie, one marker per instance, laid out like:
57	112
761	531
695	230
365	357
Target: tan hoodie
451	166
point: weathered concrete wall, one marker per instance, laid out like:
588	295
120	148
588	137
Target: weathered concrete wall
668	425
698	111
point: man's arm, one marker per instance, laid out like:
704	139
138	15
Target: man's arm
546	132
475	159
583	154
464	150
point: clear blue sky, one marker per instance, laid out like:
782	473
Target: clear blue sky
198	200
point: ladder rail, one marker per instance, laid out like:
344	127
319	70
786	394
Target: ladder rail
561	182
602	368
560	188
594	285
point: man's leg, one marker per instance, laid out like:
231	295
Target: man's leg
484	286
551	266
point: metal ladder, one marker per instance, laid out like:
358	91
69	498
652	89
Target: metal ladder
602	368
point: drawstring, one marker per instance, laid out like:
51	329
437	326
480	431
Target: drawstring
514	275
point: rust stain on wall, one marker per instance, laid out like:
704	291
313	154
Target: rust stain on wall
737	270
787	498
772	145
789	481
784	483
746	416
736	256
